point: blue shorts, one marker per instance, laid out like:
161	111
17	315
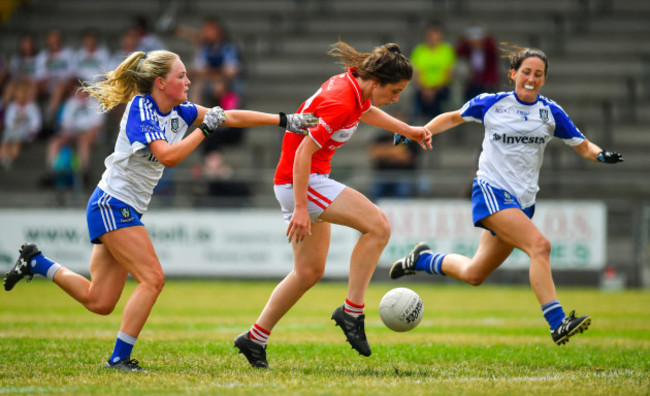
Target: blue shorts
105	213
487	200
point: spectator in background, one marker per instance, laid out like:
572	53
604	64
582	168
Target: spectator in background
128	44
80	124
217	60
22	123
55	71
221	184
480	52
433	62
92	60
223	96
22	69
4	77
147	40
392	163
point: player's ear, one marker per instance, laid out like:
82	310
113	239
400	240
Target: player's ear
159	83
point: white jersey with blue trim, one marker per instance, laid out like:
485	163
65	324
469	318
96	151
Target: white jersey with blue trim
516	134
132	171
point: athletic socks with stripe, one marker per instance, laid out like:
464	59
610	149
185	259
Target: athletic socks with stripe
353	309
431	263
259	335
123	347
42	265
553	313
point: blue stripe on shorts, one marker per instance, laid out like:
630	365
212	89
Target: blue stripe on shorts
487	200
105	213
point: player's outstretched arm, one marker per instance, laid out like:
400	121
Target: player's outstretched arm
379	118
438	125
444	122
296	123
592	152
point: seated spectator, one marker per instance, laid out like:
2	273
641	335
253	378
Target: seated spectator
91	59
80	124
147	40
220	182
433	62
128	44
22	69
479	50
4	75
4	78
216	58
21	124
224	96
55	72
394	166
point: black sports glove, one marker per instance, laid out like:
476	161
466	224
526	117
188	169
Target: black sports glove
609	157
397	139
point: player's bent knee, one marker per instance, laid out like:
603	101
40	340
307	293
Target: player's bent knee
154	280
381	228
475	281
102	307
542	247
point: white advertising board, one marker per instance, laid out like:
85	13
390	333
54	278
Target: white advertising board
246	243
252	243
577	231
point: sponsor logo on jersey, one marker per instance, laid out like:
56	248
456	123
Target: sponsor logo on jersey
543	114
324	124
344	134
523	114
502	110
518	139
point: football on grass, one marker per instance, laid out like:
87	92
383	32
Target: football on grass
401	309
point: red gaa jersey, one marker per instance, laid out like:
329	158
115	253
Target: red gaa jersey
339	105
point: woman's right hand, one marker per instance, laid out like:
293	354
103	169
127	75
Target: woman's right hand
299	225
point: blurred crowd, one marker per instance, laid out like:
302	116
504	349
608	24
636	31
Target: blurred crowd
40	99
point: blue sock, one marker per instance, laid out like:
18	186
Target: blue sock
123	347
553	313
431	263
42	265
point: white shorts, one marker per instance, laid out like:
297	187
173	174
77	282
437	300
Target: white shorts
321	192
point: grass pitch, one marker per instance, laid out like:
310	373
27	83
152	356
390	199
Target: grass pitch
490	340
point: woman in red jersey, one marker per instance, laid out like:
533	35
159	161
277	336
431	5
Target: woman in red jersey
311	201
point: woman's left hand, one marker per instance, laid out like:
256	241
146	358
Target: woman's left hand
421	135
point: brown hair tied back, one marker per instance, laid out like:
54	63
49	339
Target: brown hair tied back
386	64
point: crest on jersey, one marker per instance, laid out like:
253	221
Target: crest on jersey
174	124
126	213
543	114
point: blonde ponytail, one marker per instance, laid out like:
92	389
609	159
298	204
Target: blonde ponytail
134	76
